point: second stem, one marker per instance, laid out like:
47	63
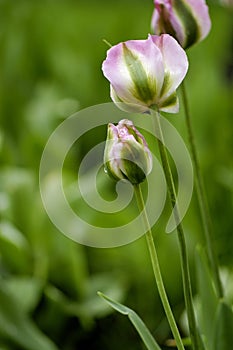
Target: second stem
203	204
182	244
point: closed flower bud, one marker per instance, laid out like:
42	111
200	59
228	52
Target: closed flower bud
186	20
127	155
146	73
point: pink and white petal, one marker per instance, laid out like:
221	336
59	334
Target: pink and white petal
168	14
175	61
152	62
156	16
130	104
166	3
117	72
112	132
171	108
112	158
125	123
178	27
154	22
115	69
201	12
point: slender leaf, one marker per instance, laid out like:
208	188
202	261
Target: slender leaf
223	332
17	326
19	286
139	325
14	247
207	297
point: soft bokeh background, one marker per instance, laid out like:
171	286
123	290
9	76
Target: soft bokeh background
50	67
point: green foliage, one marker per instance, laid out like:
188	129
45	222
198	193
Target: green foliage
206	297
50	67
215	316
222	335
139	325
15	324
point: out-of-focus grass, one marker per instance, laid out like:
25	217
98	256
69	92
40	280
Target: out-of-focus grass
50	66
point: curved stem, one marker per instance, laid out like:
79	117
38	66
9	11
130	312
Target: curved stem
202	200
182	244
156	268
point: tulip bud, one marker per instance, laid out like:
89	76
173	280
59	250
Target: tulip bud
187	21
127	155
145	74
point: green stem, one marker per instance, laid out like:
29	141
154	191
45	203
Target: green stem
202	199
181	237
156	268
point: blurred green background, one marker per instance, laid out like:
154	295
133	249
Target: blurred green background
50	67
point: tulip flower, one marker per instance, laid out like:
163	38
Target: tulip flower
146	73
127	155
187	21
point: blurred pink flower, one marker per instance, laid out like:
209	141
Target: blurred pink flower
186	20
227	3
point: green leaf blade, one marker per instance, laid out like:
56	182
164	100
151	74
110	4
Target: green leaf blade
115	305
143	331
223	333
137	322
207	297
16	325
